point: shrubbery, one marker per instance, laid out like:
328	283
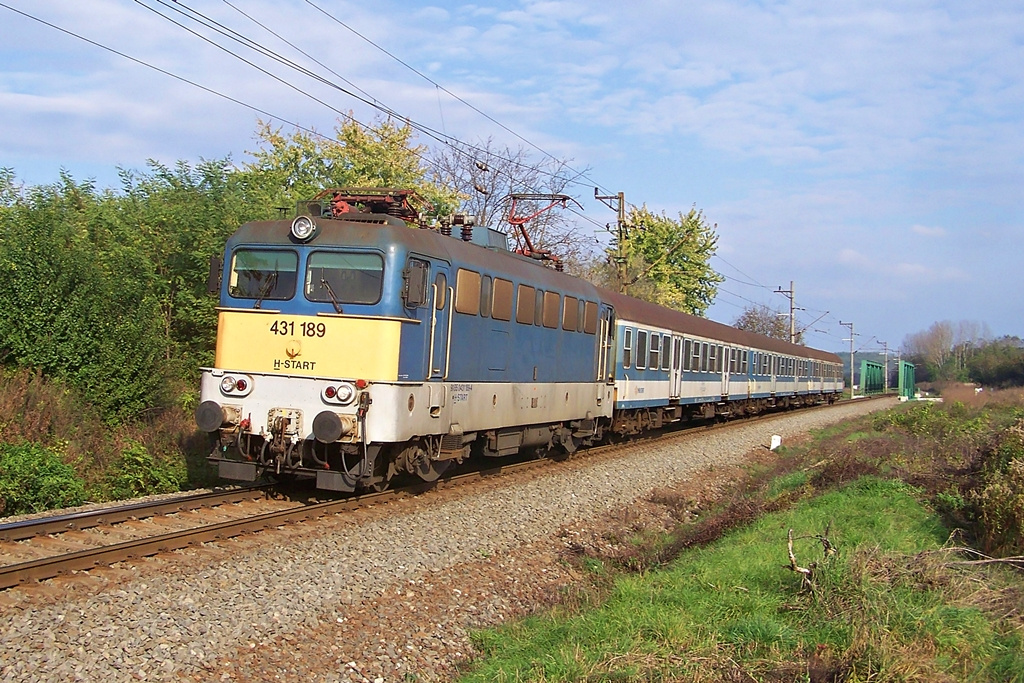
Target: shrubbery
33	479
137	473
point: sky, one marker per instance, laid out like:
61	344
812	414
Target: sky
871	153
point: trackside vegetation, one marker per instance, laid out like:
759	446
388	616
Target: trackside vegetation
908	526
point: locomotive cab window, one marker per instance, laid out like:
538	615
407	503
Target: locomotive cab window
263	274
349	278
441	296
590	318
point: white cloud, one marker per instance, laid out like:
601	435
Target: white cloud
928	231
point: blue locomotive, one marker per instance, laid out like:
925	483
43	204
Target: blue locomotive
352	348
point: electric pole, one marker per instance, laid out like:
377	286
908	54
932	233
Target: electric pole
852	335
617	203
791	295
885	383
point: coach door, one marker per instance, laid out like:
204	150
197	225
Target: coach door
440	322
675	389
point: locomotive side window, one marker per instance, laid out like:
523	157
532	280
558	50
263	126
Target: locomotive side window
441	298
538	309
467	292
641	349
579	317
414	290
552	307
664	352
627	348
526	303
344	278
485	296
590	318
569	315
655	348
501	309
263	274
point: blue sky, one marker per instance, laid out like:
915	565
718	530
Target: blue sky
871	152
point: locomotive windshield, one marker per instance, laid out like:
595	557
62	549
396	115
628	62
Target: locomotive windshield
263	274
350	278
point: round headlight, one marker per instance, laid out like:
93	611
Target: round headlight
346	392
227	385
303	228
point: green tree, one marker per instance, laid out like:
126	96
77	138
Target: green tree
666	261
288	168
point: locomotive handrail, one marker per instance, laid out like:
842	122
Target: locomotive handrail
433	330
228	309
448	346
365	316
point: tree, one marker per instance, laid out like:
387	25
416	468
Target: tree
945	348
288	168
665	261
761	319
484	175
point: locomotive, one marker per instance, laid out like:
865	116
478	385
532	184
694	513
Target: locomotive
352	348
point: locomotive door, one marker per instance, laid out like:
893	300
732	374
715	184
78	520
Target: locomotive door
440	323
676	377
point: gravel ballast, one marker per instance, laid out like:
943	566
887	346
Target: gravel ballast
375	595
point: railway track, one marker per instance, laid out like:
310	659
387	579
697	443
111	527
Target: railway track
65	553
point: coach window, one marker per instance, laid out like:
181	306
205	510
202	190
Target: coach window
263	274
627	347
467	292
590	318
538	309
695	357
441	298
720	364
526	303
665	339
655	348
712	357
744	366
569	315
703	356
765	360
501	308
641	349
687	350
485	296
552	307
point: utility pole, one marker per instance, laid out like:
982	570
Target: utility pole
791	295
852	335
617	203
885	382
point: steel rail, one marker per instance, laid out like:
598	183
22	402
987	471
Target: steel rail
86	519
49	567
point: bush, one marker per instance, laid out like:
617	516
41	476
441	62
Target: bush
33	479
137	473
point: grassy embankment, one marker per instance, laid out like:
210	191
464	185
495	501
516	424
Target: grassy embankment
910	498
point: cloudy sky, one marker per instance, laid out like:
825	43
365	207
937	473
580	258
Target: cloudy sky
870	152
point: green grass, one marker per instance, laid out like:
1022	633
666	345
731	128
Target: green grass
733	610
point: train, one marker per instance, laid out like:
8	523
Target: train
357	343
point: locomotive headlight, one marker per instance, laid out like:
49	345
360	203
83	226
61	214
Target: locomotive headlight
227	385
342	393
346	392
232	385
303	228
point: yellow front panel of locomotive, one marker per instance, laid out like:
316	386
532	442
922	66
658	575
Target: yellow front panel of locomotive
356	348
